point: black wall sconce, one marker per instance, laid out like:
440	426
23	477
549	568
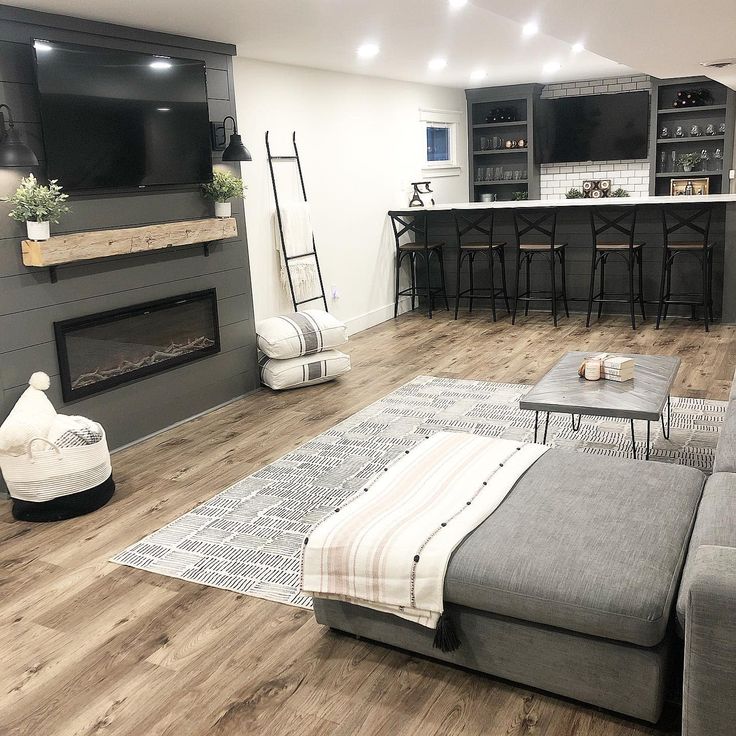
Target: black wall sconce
235	150
13	152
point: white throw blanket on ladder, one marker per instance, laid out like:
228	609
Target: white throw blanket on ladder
389	546
297	227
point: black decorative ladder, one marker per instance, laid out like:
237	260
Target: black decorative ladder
311	254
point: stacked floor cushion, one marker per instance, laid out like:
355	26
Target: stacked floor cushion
298	349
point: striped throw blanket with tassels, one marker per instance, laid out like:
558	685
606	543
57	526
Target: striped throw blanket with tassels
387	548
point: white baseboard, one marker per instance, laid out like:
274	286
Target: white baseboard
376	316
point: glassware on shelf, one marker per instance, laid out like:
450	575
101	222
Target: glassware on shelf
517	174
705	160
483	143
496	142
665	132
480	174
679	132
489	173
718	158
695	131
722	129
673	161
498	174
508	175
662	162
710	129
524	174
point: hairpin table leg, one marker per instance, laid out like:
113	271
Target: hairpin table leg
536	425
546	427
646	457
575	427
633	439
666	431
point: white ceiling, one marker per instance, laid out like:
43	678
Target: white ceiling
326	33
664	38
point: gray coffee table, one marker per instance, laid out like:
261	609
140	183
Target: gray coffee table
562	391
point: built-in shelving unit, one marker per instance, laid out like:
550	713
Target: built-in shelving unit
491	160
719	147
94	244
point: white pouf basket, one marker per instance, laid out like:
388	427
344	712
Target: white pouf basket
47	471
52	483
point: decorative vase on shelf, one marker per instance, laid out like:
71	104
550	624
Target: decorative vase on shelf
223	209
38	230
687	167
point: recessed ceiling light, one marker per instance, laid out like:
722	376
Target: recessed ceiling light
163	109
477	74
42	46
529	29
577	48
457	4
551	67
368	50
438	64
160	64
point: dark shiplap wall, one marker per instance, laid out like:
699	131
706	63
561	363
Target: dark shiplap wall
30	303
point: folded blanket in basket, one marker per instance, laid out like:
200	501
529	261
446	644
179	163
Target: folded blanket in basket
389	546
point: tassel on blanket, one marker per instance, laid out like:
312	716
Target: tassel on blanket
445	638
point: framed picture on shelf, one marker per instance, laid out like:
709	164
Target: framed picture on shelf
689	186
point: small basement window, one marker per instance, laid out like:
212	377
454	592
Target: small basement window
438	143
439	130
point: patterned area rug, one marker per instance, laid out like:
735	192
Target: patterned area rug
248	538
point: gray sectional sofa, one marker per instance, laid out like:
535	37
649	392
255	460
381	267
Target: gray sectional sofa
589	580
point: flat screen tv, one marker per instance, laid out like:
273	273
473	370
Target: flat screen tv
120	119
591	128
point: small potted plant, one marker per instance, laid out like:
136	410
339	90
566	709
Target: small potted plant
37	206
688	160
223	187
620	192
574	193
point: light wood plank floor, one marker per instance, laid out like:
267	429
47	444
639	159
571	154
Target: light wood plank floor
88	647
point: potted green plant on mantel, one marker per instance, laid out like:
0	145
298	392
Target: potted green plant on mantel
37	205
223	187
688	160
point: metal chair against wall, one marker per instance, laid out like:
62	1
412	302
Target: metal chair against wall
419	249
693	224
479	226
540	225
617	228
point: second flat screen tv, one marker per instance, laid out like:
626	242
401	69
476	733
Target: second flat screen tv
120	119
591	128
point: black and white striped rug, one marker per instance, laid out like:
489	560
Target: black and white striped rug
248	538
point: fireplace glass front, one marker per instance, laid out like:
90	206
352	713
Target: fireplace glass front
103	350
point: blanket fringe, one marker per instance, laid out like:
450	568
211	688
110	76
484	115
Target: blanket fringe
445	637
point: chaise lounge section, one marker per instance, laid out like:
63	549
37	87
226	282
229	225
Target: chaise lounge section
571	586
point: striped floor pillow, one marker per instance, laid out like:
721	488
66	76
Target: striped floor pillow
300	333
303	371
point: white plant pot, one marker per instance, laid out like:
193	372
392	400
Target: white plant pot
223	209
38	230
686	168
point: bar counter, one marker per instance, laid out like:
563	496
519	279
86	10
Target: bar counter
573	228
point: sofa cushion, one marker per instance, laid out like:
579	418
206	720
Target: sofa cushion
715	525
588	543
725	457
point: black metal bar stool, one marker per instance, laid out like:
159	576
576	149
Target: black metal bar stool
416	225
539	225
479	224
694	224
617	226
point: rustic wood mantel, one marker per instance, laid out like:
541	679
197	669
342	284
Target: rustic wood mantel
74	247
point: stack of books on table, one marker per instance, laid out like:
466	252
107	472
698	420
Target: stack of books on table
616	368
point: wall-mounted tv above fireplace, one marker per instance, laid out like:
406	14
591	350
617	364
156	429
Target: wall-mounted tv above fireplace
591	127
117	119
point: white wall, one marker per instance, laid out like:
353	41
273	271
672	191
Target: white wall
361	143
